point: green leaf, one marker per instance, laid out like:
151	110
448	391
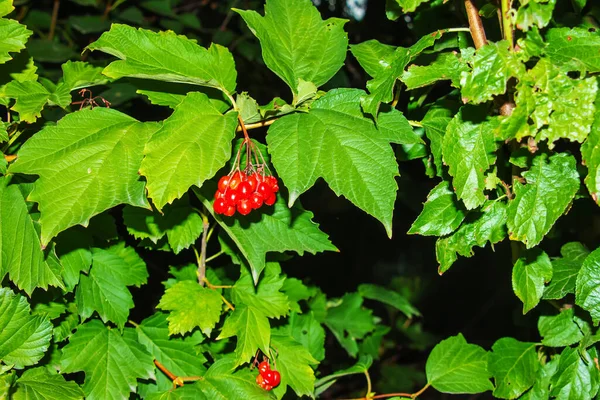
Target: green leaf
297	43
6	7
487	225
105	288
590	152
104	149
435	123
441	213
165	56
389	297
406	5
279	230
86	24
396	128
587	294
24	338
52	51
295	291
469	150
565	271
447	66
305	329
334	141
541	388
191	305
493	65
76	75
21	253
574	49
40	384
514	366
350	321
534	13
252	329
559	330
294	363
191	146
576	376
111	362
361	367
454	366
13	36
30	97
551	186
529	274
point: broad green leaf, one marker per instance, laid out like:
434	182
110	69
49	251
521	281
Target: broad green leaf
435	123
469	149
295	291
89	154
406	5
447	66
541	387
559	330
191	305
307	331
389	297
454	366
334	141
396	128
112	363
565	270
191	146
66	324
587	294
6	7
252	329
441	214
574	49
514	366
52	51
165	56
73	248
86	24
349	321
40	384
480	227
24	338
551	186
30	97
104	290
590	152
576	376
76	75
373	342
361	367
493	65
279	230
529	274
297	43
534	13
294	363
21	253
370	53
13	36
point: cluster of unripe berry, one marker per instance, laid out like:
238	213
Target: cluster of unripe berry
243	193
267	378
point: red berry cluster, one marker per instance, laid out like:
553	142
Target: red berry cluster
244	193
267	378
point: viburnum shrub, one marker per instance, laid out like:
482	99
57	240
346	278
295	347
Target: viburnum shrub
145	251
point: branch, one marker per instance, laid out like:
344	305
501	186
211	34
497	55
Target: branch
54	19
260	124
507	28
177	380
475	24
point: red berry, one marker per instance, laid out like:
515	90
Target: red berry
236	179
223	183
219	195
264	189
220	206
229	211
244	207
253	180
272	378
232	197
271	199
244	189
272	181
264	367
260	380
256	201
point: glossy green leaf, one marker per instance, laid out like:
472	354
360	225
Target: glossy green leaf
590	152
104	152
251	327
396	128
24	338
305	329
350	321
565	271
21	254
297	43
441	214
469	150
407	5
40	384
559	330
587	294
104	289
13	36
112	362
574	49
76	75
389	297
447	66
534	13
541	387
493	65
191	146
30	97
514	366
294	363
455	366
576	376
165	56
529	274
6	7
334	141
551	186
191	305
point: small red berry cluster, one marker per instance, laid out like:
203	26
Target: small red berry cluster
244	193
267	378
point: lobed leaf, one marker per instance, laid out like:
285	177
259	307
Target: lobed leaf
13	35
349	321
40	384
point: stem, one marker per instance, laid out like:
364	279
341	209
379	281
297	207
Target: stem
507	189
14	137
211	286
228	16
107	9
177	380
54	19
396	95
449	30
201	260
134	324
368	383
228	304
385	396
214	256
241	121
475	24
507	28
415	123
420	392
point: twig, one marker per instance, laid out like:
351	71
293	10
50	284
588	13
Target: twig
54	19
260	124
201	258
177	380
107	9
415	124
228	16
475	24
420	392
214	256
506	189
369	387
507	29
211	286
